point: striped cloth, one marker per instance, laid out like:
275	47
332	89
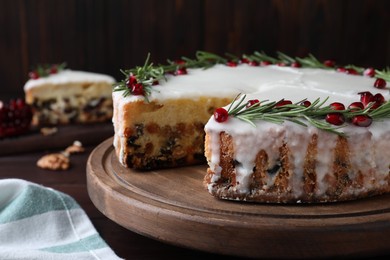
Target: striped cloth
41	223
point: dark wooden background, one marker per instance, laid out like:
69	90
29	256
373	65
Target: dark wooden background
105	36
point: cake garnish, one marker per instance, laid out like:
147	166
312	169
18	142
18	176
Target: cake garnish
139	81
45	70
330	117
15	118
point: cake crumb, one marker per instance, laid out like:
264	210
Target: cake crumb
45	131
54	161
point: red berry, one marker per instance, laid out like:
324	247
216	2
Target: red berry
369	72
137	89
329	63
306	103
221	115
356	106
253	63
180	71
265	63
380	83
180	62
337	106
296	64
252	102
131	81
231	63
362	120
33	75
366	97
283	103
335	118
281	64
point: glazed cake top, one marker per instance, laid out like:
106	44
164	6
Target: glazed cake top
262	82
68	76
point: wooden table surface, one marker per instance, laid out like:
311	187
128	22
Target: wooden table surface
126	244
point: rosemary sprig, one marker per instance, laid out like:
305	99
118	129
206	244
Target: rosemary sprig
44	70
299	114
150	74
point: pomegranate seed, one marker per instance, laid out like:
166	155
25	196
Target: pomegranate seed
369	72
253	63
252	102
137	89
335	118
155	83
53	69
180	62
283	103
265	63
341	69
131	81
380	83
281	64
329	63
378	100
180	71
33	75
362	120
366	97
306	103
244	60
231	63
337	106
351	71
356	106
296	64
221	115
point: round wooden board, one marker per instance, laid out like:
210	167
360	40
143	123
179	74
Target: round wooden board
173	206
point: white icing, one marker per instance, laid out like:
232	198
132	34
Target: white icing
68	76
274	83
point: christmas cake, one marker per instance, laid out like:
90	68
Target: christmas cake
62	96
298	130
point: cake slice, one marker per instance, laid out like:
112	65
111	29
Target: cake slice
61	96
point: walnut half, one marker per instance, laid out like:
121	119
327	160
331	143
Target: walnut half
54	161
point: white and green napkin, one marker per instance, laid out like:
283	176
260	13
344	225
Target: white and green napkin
41	223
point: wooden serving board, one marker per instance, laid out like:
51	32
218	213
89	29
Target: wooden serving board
91	134
173	206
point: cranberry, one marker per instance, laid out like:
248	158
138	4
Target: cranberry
283	103
231	63
369	72
329	63
252	102
137	89
366	97
253	63
337	106
356	106
296	64
380	83
335	118
306	103
265	63
180	71
33	75
362	120
221	115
